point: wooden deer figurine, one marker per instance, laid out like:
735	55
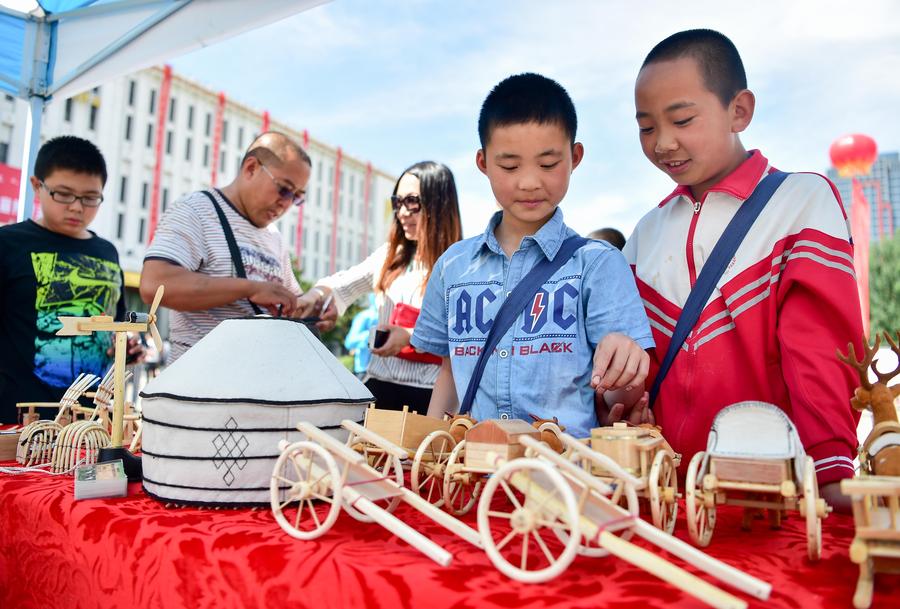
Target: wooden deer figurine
882	447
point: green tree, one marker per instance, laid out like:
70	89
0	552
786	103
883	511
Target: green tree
884	285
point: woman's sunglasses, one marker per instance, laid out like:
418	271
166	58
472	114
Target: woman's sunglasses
412	203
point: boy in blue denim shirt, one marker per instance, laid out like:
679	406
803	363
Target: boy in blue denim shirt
589	308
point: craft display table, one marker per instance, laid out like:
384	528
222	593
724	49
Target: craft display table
135	553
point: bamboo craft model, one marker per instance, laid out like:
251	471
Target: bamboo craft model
102	410
754	459
568	503
38	438
876	493
650	462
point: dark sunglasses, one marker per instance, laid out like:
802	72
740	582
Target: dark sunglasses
286	194
412	203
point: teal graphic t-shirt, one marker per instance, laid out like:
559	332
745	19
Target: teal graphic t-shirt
44	275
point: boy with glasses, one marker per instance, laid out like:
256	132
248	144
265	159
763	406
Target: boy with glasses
55	266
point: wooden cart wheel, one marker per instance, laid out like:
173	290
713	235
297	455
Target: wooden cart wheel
388	466
427	475
511	531
813	519
663	487
701	518
461	489
303	472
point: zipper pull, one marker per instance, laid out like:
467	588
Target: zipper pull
697	205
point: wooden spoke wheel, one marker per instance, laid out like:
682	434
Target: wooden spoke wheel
305	472
461	489
625	496
429	465
514	530
663	487
388	466
701	514
813	512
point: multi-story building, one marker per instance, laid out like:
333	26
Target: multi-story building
202	136
882	190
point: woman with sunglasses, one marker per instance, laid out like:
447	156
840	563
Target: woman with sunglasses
426	222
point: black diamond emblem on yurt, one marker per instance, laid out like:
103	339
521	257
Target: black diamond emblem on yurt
230	448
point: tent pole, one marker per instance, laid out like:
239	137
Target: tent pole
29	151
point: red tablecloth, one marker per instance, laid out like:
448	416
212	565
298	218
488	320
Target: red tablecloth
134	552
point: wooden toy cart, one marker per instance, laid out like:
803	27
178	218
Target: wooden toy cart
322	469
643	453
467	464
527	502
754	459
876	546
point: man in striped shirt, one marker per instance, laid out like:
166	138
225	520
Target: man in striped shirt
190	254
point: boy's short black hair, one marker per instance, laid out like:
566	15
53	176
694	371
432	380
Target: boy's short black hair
527	98
72	153
717	57
611	235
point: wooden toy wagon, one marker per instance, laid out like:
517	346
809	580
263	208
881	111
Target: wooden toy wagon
753	459
323	469
643	453
427	442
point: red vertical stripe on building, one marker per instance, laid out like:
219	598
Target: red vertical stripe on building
367	191
265	121
162	114
335	206
298	241
305	139
217	139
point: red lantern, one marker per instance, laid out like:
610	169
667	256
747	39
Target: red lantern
853	155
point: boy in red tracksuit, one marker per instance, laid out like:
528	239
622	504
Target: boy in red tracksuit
789	297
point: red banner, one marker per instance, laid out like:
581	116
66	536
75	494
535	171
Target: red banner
217	139
335	206
9	193
265	121
162	114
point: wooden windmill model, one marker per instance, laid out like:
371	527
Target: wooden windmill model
134	322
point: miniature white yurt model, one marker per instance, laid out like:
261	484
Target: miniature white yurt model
213	419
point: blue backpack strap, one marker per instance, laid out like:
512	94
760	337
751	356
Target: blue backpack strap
513	305
713	269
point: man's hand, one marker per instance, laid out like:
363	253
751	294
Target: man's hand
328	316
309	304
398	338
619	363
134	350
833	496
270	296
637	414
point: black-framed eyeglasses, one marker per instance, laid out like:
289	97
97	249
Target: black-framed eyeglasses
297	198
412	203
67	198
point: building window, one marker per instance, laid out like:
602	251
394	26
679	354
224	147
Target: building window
224	131
4	152
208	123
128	122
206	155
152	101
141	227
318	197
120	226
123	188
222	161
67	116
187	149
149	135
92	121
172	109
131	87
145	190
241	138
169	136
165	198
190	117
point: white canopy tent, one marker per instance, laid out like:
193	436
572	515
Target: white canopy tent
61	47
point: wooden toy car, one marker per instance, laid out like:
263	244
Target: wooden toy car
753	459
643	453
323	469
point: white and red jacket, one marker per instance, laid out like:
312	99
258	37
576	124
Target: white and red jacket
787	301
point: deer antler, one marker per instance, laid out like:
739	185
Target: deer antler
861	365
884	377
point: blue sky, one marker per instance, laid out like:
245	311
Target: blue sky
397	82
